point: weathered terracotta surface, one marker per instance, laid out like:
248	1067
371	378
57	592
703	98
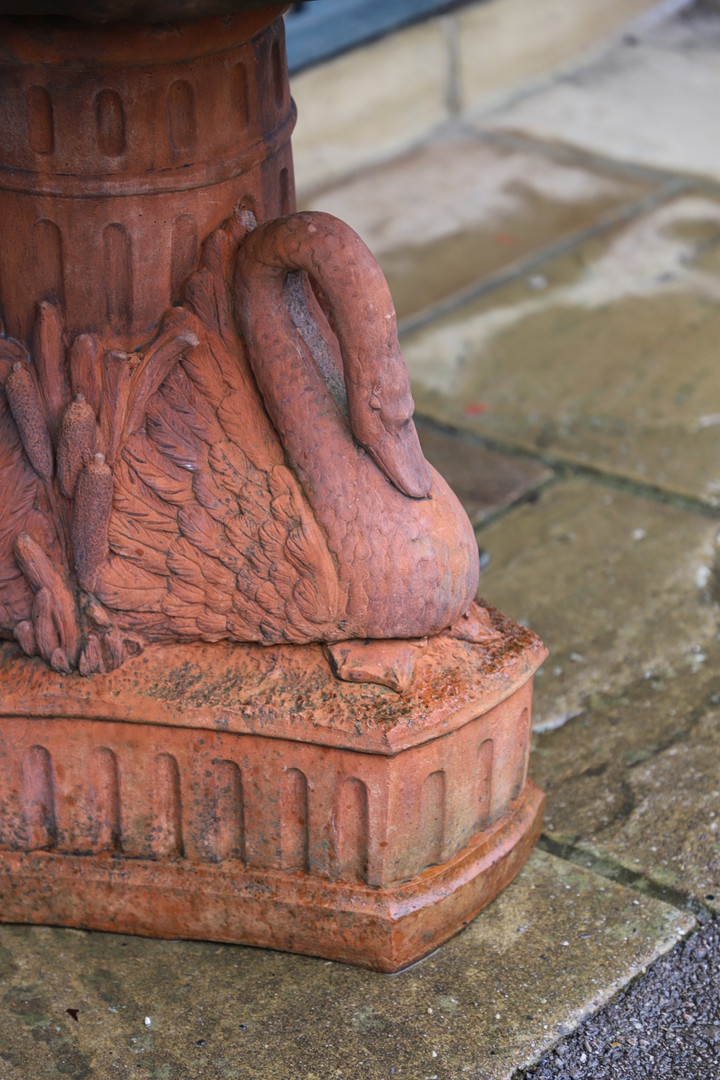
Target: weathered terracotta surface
154	11
116	164
243	794
246	693
241	472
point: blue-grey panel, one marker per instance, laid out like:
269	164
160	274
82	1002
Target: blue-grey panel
319	29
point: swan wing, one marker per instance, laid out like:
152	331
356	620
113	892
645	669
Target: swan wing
210	535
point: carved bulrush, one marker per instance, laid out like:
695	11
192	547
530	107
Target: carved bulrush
261	482
208	458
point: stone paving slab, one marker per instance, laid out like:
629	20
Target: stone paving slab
665	1026
555	946
605	356
614	583
647	99
369	104
531	40
457	209
484	480
635	780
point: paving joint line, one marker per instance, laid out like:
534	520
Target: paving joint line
652	492
535	261
569	154
680	734
567	466
530	496
632	879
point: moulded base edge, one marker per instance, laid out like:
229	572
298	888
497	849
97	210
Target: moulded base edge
381	928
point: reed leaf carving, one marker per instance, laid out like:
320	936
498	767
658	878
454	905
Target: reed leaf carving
152	499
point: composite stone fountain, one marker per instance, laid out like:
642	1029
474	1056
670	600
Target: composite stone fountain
246	691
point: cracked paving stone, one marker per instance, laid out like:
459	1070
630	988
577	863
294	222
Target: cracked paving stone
615	584
555	946
607	356
635	780
455	210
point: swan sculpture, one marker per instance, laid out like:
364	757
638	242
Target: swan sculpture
253	475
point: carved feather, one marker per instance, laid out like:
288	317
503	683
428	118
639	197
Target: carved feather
176	338
132	497
239	628
201	299
123	586
182	597
220	503
212	625
270	600
131	538
246	425
247	616
203	370
182	397
216	259
183	626
166	479
229	465
173	437
202	530
196	566
117	372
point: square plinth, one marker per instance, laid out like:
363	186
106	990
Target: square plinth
245	794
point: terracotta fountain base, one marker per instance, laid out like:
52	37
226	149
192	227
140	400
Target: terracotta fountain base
245	794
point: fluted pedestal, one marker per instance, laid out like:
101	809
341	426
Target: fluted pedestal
244	794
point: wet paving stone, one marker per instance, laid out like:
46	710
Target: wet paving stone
634	781
606	356
557	944
456	210
616	584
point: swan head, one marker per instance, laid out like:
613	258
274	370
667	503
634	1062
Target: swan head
381	414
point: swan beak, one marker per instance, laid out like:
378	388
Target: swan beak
399	455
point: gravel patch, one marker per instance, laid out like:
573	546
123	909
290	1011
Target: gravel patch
665	1026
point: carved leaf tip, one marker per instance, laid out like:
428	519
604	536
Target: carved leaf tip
49	354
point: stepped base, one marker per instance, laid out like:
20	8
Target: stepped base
244	794
385	929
